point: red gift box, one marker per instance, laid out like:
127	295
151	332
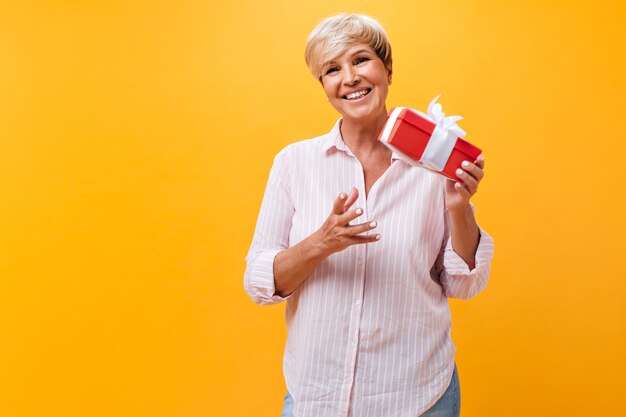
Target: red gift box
421	141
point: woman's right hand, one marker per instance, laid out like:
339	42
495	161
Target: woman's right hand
336	234
295	264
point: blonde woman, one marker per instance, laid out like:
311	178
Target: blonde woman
365	249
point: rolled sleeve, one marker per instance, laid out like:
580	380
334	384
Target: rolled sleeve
457	279
259	279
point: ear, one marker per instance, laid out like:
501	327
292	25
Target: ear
389	72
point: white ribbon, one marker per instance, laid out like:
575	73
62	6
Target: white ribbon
443	139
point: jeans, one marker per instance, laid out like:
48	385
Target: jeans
449	405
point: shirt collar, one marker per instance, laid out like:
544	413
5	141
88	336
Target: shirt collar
333	140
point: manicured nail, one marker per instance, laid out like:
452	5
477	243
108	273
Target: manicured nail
465	164
373	224
459	171
378	237
359	211
342	196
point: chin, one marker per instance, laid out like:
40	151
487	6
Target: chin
365	114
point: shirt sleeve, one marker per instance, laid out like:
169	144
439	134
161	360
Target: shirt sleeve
454	274
270	236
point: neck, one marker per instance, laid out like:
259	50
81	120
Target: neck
362	136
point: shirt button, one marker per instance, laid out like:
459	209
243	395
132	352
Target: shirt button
359	260
357	302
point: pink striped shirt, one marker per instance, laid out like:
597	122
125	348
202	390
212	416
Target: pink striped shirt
369	330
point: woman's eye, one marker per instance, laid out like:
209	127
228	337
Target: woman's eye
361	60
331	70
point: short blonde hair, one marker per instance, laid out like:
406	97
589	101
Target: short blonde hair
335	34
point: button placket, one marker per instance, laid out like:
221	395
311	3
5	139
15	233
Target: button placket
357	305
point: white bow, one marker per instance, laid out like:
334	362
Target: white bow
440	119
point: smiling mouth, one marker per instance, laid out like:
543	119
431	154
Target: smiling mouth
357	94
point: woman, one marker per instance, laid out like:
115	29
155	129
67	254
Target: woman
366	285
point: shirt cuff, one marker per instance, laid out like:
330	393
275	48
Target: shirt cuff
261	286
455	265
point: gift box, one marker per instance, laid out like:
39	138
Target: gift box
431	141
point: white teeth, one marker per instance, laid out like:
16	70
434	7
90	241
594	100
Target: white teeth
357	94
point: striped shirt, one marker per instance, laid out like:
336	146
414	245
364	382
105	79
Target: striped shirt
369	330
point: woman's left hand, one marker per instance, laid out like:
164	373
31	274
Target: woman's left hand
458	193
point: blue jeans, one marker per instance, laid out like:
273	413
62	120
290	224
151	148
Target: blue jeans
449	405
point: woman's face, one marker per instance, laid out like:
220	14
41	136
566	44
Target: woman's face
356	83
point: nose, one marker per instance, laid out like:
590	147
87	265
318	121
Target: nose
351	77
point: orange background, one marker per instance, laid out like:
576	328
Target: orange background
135	142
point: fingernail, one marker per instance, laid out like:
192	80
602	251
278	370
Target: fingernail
359	211
342	195
465	164
373	224
459	171
378	237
